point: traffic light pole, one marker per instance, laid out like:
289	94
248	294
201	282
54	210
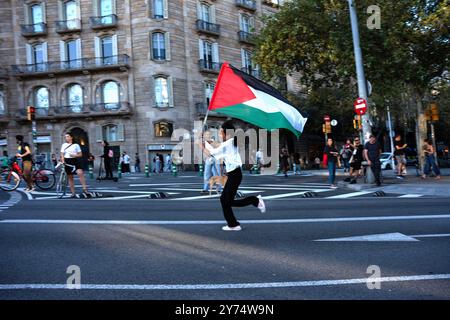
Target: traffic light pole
362	83
34	135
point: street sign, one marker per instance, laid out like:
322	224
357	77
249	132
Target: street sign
360	106
334	123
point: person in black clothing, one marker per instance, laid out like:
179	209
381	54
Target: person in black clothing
332	154
284	163
137	164
355	161
24	153
372	153
107	159
399	154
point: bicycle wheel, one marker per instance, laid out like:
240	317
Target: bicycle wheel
9	180
44	179
61	185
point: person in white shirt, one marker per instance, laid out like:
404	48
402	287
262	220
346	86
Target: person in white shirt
70	155
126	162
229	152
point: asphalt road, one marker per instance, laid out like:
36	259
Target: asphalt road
140	248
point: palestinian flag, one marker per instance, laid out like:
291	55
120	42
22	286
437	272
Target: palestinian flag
239	95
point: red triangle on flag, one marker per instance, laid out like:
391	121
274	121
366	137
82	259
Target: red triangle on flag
230	89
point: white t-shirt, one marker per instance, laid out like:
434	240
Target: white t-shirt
126	159
228	152
70	149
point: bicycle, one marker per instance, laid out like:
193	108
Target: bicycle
11	177
61	185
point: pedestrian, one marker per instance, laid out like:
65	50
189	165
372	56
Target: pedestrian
4	160
157	161
121	163
24	153
346	153
91	160
229	152
297	163
430	160
259	157
284	161
372	152
161	161
211	166
70	156
126	163
332	159
107	156
317	163
137	164
355	161
168	162
399	154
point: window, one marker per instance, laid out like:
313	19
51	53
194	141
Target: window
158	46
113	133
160	9
246	59
162	90
106	8
2	100
209	54
110	95
205	13
75	97
245	23
37	56
41	98
37	17
71	14
71	53
209	89
106	50
163	129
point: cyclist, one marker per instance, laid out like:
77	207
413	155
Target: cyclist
70	154
24	153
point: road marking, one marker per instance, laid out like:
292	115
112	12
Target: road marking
437	235
292	194
313	283
161	184
131	197
213	195
211	222
374	237
303	185
350	195
411	196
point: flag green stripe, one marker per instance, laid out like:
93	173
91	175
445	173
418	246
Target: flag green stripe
270	121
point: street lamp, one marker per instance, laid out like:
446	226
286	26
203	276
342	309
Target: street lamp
362	83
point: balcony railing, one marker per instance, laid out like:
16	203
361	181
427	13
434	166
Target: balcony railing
84	110
208	27
66	26
246	4
103	22
37	29
251	71
209	66
162	104
85	64
246	37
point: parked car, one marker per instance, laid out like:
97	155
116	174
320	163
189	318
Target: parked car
386	161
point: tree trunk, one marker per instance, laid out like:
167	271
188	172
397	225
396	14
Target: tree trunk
421	129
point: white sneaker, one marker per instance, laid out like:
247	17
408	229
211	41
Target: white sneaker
227	228
261	205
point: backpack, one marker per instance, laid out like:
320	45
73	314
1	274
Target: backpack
110	153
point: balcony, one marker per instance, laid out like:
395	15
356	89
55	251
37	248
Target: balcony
246	37
68	26
79	111
251	71
32	30
246	4
103	22
208	27
85	65
209	66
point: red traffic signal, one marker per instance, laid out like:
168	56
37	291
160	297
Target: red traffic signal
30	113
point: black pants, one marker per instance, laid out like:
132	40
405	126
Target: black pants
376	169
227	198
108	169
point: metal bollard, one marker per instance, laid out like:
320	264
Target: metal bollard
174	170
91	172
147	173
119	171
200	170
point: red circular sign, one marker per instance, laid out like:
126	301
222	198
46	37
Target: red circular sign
326	118
360	106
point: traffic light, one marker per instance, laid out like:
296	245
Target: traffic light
434	112
31	113
357	122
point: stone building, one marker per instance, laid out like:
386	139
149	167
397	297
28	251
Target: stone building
129	72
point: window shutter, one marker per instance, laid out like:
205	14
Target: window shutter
167	42
79	51
200	48
95	8
79	11
98	133
252	24
166	9
29	53
44	16
170	89
114	6
215	49
199	10
44	52
26	9
212	13
243	58
120	132
60	10
241	22
114	46
98	51
62	53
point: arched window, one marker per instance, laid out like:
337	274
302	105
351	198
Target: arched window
162	98
41	98
158	46
75	97
110	93
163	129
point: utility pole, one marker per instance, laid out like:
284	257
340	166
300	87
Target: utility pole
391	137
362	83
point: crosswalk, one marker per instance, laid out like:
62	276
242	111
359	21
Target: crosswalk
189	191
14	198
